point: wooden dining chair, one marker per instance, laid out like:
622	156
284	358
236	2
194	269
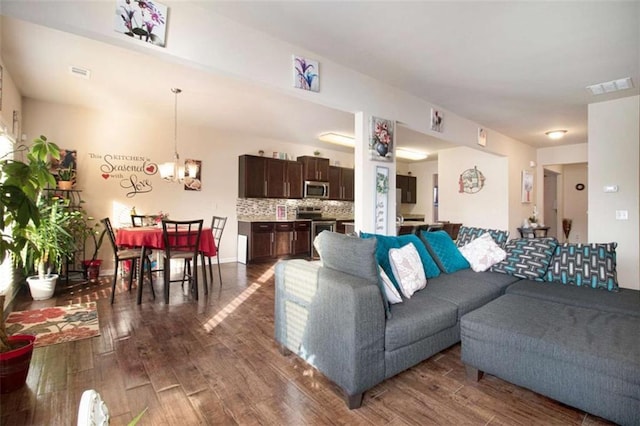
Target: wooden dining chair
136	256
181	241
217	228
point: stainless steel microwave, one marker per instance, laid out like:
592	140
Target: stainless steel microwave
314	189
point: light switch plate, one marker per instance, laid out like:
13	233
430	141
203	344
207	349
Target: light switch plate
610	188
622	215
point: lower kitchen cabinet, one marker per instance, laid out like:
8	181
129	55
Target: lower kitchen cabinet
271	240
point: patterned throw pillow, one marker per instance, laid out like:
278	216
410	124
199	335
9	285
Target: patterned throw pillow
468	234
407	268
385	243
444	251
390	290
592	265
527	258
482	253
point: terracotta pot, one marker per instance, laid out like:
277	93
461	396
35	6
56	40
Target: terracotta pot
65	184
14	364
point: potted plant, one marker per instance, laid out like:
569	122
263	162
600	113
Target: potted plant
84	228
66	176
15	356
47	245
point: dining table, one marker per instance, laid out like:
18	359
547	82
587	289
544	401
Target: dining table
151	237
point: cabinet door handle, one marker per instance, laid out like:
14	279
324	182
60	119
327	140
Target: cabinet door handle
265	188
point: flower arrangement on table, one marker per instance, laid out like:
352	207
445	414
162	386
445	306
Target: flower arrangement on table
160	217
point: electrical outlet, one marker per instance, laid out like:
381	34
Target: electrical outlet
622	215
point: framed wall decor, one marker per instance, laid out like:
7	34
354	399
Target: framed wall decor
482	136
306	74
527	186
437	120
382	199
142	20
381	139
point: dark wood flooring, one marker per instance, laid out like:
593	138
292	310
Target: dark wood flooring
215	361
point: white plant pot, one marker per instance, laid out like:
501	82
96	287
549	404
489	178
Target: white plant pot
42	289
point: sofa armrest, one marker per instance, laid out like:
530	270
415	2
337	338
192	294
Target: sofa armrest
334	321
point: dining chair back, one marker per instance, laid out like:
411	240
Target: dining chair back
181	241
217	228
136	257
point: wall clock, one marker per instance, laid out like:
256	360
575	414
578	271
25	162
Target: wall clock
579	186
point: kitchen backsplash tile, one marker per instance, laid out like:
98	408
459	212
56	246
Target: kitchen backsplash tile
266	207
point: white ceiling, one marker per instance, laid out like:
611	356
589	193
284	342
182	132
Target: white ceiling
519	68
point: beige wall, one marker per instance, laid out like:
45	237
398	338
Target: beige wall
575	202
614	139
488	208
423	172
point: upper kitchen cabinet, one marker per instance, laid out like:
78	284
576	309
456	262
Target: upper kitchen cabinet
315	168
341	183
261	177
408	188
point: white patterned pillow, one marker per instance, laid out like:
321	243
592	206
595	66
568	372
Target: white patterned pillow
389	289
407	269
482	253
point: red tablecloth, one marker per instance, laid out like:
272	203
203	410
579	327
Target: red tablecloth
151	237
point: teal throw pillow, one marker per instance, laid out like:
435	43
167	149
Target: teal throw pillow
444	251
385	243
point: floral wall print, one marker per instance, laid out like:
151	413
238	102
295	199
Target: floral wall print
381	139
306	74
192	175
527	186
437	120
144	20
382	194
482	136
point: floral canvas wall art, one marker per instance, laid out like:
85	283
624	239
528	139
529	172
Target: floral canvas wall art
192	175
381	139
144	20
306	74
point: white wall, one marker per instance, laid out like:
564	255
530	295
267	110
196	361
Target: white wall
488	208
614	138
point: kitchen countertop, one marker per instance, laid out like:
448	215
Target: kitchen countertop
273	219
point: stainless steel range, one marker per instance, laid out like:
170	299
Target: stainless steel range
318	224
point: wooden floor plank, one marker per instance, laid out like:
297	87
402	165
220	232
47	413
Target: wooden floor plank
215	361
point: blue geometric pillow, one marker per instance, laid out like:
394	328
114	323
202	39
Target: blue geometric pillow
385	243
444	251
592	265
527	258
468	234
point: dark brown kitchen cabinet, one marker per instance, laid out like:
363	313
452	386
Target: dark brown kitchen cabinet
261	177
314	168
341	183
270	240
408	188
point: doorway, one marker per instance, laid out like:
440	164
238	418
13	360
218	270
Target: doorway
551	202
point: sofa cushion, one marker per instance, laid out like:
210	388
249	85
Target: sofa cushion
496	279
444	251
407	268
624	301
482	253
466	294
591	265
469	233
388	242
417	318
527	258
390	291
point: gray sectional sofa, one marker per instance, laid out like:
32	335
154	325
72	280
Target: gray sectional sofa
332	314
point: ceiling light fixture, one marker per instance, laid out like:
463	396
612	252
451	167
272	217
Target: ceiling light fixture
611	86
337	139
172	171
555	134
408	154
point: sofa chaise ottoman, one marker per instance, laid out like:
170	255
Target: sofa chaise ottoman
577	345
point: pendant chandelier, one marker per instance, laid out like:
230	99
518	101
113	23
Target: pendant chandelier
172	171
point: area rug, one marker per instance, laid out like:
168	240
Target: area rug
58	324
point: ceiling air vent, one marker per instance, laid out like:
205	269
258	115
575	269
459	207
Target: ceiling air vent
611	86
80	72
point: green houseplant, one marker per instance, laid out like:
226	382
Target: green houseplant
21	183
66	176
